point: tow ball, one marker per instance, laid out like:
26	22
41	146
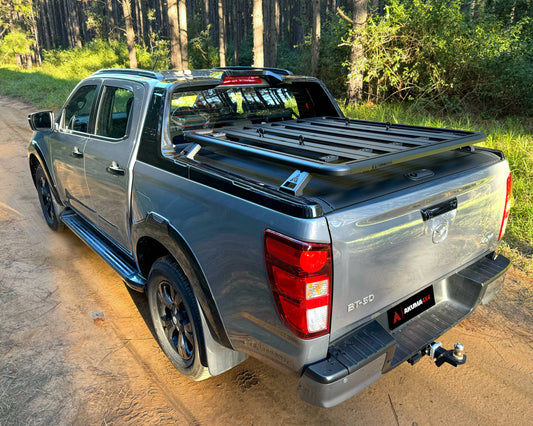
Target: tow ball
437	353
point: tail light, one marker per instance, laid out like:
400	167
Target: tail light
507	207
300	277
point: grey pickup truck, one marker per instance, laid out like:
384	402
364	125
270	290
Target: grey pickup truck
261	222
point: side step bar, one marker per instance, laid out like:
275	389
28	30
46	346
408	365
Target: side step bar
117	260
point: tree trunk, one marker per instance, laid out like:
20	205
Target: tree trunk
237	25
315	38
221	34
175	48
259	53
130	35
184	43
140	20
277	23
45	25
35	32
271	13
354	92
206	10
110	23
75	23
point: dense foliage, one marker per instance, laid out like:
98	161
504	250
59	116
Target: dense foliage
446	57
451	55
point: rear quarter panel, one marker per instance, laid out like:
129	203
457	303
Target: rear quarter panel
225	233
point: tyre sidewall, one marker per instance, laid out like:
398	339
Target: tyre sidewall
167	270
52	220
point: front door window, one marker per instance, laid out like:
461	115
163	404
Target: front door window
77	113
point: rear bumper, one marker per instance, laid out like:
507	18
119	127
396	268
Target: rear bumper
359	359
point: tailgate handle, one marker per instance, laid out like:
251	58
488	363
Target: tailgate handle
438	209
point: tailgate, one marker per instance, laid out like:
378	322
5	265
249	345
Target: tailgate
387	249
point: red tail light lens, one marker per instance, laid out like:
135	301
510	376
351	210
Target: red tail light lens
300	277
507	207
239	80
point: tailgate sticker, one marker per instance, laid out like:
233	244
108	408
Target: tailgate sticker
411	307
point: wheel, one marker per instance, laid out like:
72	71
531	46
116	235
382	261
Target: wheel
176	318
46	198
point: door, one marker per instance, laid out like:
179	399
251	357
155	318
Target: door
108	156
67	146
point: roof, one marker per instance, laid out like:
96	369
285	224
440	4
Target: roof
201	74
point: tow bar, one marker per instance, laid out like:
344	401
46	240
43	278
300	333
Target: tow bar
437	353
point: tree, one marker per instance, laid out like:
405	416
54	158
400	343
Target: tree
175	47
130	35
315	38
271	25
259	53
221	33
19	33
354	92
182	13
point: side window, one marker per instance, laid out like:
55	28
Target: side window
77	112
114	112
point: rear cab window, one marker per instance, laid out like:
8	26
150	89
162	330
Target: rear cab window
205	109
114	112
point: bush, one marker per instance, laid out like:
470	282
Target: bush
15	43
434	53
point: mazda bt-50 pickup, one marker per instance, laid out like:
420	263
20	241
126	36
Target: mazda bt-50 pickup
260	221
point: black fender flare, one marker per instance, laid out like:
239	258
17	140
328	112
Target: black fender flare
159	229
34	150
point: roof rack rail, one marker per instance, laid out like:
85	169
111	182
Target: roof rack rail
130	71
279	71
337	146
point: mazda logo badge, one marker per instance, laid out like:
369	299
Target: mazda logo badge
440	233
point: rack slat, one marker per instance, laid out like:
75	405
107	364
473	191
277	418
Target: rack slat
387	128
295	132
378	137
309	144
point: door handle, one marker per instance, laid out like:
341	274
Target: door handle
77	153
115	169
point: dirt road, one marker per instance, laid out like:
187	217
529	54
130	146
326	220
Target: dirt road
58	365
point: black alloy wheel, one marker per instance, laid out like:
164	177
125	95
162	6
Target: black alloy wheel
176	318
46	199
176	322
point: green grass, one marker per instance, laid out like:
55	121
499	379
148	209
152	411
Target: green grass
49	86
42	89
512	135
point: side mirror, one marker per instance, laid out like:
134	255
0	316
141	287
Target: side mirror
41	121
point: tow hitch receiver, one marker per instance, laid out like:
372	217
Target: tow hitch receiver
437	353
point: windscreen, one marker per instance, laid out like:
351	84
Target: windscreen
213	107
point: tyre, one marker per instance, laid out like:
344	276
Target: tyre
176	318
46	199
